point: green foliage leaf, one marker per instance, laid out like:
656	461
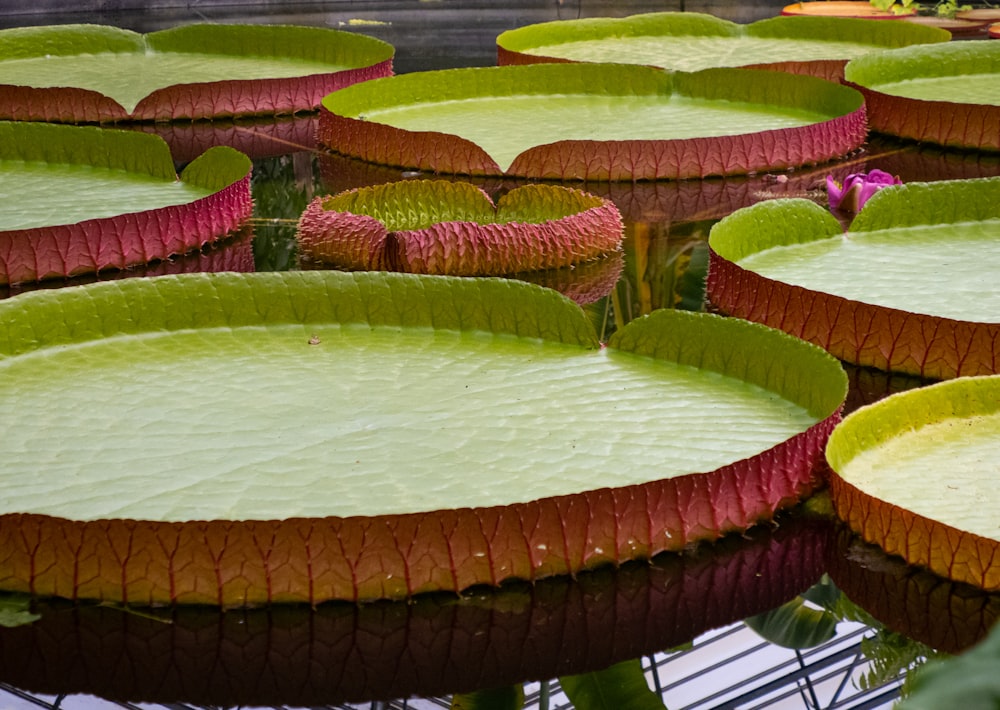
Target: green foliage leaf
506	698
15	610
795	624
969	681
622	686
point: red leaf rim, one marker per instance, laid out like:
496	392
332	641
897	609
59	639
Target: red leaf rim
432	645
232	564
946	550
919	604
945	123
673	159
122	241
460	248
859	333
264	96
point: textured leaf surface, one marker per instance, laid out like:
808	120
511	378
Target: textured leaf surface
943	94
440	227
189	71
491	392
431	645
915	474
683	41
81	199
594	121
908	288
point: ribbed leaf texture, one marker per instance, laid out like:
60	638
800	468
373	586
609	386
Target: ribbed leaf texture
75	244
438	227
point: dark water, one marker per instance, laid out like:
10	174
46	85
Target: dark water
680	615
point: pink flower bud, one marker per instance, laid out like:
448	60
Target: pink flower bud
857	189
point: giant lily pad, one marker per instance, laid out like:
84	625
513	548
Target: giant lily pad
689	41
911	287
302	436
79	199
74	73
440	227
916	474
593	121
945	94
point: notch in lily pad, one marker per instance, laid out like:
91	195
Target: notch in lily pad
594	121
909	288
406	434
454	228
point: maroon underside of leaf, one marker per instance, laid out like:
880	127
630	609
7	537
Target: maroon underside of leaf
600	160
124	240
944	550
418	150
942	122
936	611
396	556
58	105
829	69
459	248
859	333
508	57
270	139
430	646
184	101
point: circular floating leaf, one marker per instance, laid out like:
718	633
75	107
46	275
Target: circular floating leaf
320	435
910	288
72	73
916	474
689	41
593	121
945	94
81	199
440	227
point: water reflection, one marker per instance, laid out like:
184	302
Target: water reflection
432	645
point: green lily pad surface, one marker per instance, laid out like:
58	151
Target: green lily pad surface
80	199
487	401
77	73
442	227
593	121
916	474
947	94
910	287
687	41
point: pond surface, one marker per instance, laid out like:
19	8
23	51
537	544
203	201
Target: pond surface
681	615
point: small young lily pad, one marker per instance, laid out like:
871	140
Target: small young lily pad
909	288
79	199
594	121
441	227
73	73
436	433
945	94
690	41
916	474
